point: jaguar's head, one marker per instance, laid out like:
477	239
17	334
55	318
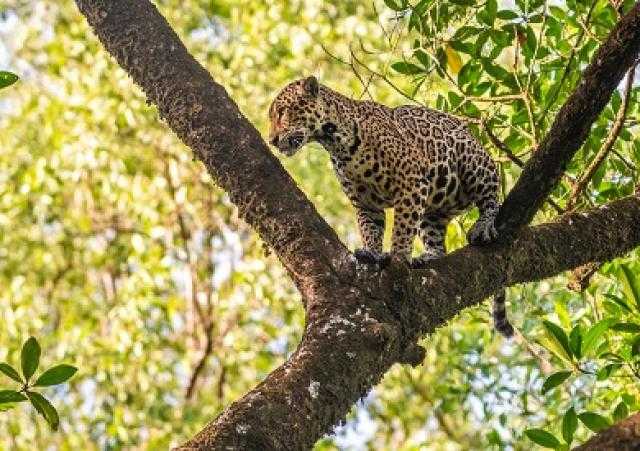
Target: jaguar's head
296	115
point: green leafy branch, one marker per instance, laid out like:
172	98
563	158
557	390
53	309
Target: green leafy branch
29	361
574	347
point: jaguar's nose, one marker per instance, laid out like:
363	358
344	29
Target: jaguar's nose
274	140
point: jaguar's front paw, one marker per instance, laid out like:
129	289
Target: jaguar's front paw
483	232
429	254
371	258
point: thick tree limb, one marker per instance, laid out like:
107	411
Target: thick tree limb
573	122
622	436
201	113
359	321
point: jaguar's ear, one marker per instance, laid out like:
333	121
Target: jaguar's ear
311	86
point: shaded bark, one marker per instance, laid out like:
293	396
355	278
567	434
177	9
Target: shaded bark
622	436
360	321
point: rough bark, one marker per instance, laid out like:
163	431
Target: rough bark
622	436
360	321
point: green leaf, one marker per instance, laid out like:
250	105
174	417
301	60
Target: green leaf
507	14
630	284
30	357
9	371
536	18
558	12
56	375
635	346
593	421
530	43
496	71
554	380
488	14
393	5
592	335
422	6
626	327
569	425
463	47
556	333
423	57
619	301
406	68
492	9
560	307
575	341
607	370
542	438
620	412
494	438
7	79
11	396
45	409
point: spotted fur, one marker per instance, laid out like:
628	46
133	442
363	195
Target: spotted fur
423	163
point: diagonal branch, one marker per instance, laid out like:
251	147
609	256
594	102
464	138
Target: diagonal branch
573	122
203	116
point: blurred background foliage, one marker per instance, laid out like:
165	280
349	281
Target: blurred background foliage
120	255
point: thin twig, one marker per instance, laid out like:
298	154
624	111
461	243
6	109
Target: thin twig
572	55
527	104
364	84
385	79
535	53
543	362
504	98
500	145
185	235
624	160
607	145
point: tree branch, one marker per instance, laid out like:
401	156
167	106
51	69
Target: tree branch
203	116
622	436
573	122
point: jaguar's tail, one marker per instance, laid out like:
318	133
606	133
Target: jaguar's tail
500	321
